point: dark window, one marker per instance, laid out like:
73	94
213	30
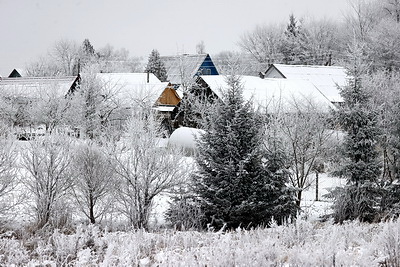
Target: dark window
206	71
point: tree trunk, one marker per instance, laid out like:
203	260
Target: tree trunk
44	216
91	210
298	200
316	186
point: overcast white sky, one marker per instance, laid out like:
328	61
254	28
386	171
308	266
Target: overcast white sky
30	27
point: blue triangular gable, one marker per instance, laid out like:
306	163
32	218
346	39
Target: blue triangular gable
207	67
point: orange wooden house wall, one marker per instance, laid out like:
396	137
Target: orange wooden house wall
169	97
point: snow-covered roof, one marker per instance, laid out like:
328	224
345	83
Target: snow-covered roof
182	68
165	108
133	88
273	94
179	91
37	87
325	78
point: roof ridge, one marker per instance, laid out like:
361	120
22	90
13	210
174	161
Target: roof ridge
37	78
309	66
185	55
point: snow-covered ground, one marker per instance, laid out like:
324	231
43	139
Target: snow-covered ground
311	208
306	242
314	209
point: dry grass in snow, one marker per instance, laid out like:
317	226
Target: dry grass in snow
302	243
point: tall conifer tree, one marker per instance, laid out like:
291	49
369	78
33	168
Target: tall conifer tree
238	182
156	66
361	166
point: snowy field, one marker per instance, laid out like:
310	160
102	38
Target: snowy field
305	242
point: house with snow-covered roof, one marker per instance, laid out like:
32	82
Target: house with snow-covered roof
326	79
131	89
139	90
30	88
183	69
23	93
272	95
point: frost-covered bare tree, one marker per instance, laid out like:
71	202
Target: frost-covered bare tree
384	45
384	89
66	57
8	109
14	111
144	169
8	168
263	43
392	8
200	47
60	60
322	41
94	180
42	67
51	107
48	175
93	103
110	59
305	133
65	53
362	17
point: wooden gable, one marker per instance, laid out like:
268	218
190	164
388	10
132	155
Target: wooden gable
169	97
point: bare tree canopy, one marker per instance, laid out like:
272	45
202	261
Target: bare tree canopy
144	169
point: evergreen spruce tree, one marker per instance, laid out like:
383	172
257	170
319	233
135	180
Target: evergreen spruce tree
87	48
292	29
87	55
156	66
293	43
361	166
238	182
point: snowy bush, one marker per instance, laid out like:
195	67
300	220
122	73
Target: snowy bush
301	243
12	252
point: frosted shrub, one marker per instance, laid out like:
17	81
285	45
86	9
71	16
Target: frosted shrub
66	250
129	249
298	233
12	252
389	243
48	176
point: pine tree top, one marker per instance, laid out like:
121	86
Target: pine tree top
156	66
